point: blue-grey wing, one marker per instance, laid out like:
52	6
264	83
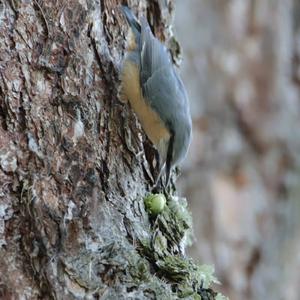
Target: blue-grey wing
161	86
164	92
153	54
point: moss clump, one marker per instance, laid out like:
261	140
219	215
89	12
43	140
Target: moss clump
171	233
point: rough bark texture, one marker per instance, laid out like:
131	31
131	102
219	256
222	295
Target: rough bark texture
73	169
241	68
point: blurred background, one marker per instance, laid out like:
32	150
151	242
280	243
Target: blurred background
241	67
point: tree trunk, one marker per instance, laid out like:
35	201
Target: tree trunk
73	167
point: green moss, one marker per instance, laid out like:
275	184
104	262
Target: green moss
171	232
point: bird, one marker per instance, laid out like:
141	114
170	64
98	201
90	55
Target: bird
156	94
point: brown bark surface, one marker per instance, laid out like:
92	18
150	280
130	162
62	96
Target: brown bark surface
73	170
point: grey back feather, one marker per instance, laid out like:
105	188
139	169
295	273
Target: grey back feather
161	86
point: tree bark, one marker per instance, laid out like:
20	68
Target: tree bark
76	166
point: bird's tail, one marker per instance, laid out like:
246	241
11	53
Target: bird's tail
132	20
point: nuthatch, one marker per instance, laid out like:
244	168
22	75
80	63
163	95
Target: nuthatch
156	94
